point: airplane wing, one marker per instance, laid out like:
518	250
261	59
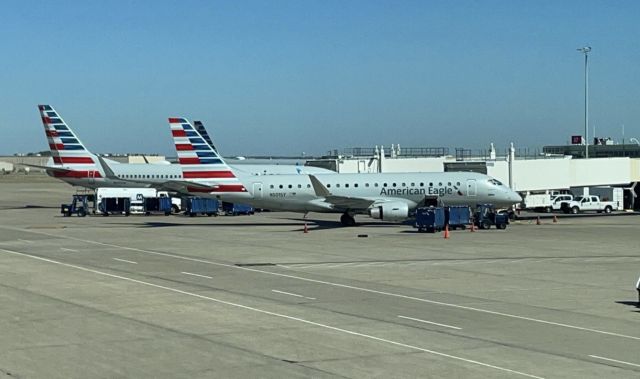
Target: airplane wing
339	202
181	186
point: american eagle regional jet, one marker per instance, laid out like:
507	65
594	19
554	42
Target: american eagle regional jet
385	196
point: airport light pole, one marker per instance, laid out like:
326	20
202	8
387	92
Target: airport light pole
585	50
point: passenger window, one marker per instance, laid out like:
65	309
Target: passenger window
375	184
404	184
346	185
449	184
338	185
290	186
421	184
393	184
440	184
280	186
356	185
299	185
384	184
366	184
413	184
308	185
430	184
271	186
458	184
328	185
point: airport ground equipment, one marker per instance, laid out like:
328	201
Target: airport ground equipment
201	205
486	215
457	217
558	200
234	209
430	219
157	205
79	206
588	203
114	205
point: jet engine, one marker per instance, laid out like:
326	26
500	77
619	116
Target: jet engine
393	211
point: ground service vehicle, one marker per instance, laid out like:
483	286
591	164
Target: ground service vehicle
79	206
556	201
538	202
588	203
486	215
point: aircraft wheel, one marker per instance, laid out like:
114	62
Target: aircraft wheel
347	220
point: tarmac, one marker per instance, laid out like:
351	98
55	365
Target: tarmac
255	296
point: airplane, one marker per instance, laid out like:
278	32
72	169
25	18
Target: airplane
384	196
73	163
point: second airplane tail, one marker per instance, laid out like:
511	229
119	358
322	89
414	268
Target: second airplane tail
199	161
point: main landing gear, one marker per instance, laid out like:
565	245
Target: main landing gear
347	220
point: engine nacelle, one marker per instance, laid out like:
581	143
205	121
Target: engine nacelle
394	211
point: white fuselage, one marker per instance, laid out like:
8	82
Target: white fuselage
296	193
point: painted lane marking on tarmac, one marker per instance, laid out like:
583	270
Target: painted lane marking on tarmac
614	360
25	241
293	294
198	275
429	322
340	285
125	261
280	315
66	249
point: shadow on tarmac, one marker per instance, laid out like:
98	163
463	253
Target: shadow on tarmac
634	304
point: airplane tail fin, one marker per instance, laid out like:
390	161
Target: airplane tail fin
203	132
66	148
199	161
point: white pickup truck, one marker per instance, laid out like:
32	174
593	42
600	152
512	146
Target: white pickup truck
588	203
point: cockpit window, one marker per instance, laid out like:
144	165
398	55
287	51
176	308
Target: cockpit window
495	182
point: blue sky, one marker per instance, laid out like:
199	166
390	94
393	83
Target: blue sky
282	77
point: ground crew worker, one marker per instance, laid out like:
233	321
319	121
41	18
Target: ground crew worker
638	288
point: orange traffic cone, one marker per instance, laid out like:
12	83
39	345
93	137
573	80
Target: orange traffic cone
446	231
305	230
538	221
555	219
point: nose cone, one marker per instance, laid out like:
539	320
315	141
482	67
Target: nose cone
513	196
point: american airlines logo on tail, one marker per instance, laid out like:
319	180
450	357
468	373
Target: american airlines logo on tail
66	148
199	160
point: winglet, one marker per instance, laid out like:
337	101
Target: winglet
319	188
108	172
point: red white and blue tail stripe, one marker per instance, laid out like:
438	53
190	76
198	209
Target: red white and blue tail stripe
66	149
199	161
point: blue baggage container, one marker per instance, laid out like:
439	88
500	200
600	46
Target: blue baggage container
430	219
157	204
458	217
200	205
234	209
